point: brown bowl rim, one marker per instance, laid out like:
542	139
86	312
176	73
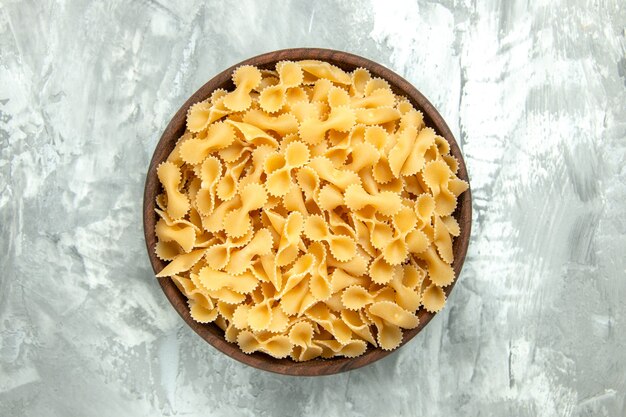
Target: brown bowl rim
210	332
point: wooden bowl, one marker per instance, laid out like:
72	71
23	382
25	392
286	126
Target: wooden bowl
210	332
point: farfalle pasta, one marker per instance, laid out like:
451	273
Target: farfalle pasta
308	212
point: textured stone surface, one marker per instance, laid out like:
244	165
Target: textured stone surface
534	91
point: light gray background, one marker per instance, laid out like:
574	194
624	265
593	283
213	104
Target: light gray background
534	92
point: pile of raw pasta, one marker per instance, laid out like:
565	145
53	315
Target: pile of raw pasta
308	212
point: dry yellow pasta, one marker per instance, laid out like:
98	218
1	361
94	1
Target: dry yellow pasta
308	212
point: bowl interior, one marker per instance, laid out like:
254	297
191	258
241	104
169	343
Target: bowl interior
210	332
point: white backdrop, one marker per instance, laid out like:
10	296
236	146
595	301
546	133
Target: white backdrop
535	94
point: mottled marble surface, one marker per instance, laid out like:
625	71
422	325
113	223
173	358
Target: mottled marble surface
534	91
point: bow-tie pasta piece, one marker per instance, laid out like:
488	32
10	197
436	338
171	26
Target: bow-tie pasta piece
260	316
289	245
405	221
411	118
396	249
182	234
376	84
407	157
240	316
297	154
320	90
237	222
338	97
235	151
424	208
292	137
293	200
375	96
301	336
214	280
218	255
201	115
277	346
279	165
214	223
363	234
177	202
293	96
253	135
219	136
386	203
380	232
377	137
201	306
357	266
228	184
401	151
340	225
254	173
321	315
174	157
406	296
313	130
298	272
338	177
166	251
376	116
309	182
439	271
359	79
319	283
443	241
457	186
283	124
452	162
364	156
354	320
210	174
433	298
290	73
329	198
265	270
394	314
320	69
388	335
270	77
260	245
278	174
303	110
246	78
280	321
296	297
334	303
356	297
273	97
226	296
340	280
381	271
436	175
198	117
182	263
288	230
452	225
341	247
351	349
308	212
